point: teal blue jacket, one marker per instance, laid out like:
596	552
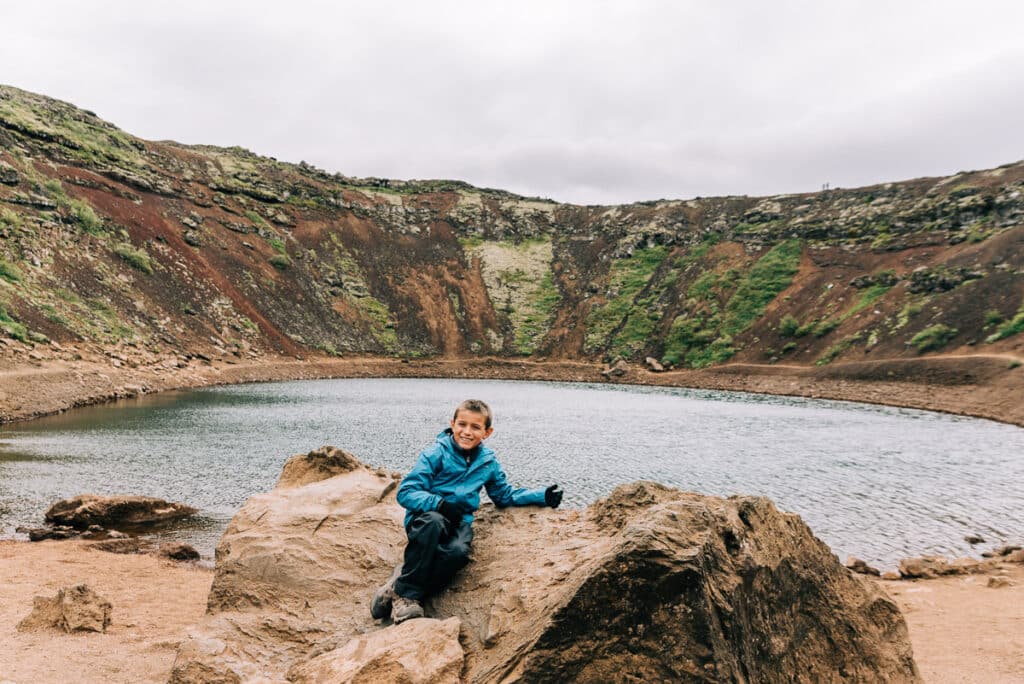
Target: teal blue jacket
442	472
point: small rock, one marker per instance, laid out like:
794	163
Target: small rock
94	532
616	371
924	567
178	551
113	511
857	565
653	365
73	609
973	539
891	575
998	582
125	545
58	532
1001	551
1015	556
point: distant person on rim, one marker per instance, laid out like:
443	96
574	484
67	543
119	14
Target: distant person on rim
440	495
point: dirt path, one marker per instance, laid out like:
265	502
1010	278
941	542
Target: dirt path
962	630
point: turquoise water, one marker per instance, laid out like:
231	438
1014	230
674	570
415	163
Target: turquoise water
877	482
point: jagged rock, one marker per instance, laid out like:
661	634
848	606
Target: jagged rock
860	567
122	545
650	584
973	539
998	582
418	652
8	174
923	568
115	511
1014	556
617	370
178	551
57	532
73	609
193	238
654	365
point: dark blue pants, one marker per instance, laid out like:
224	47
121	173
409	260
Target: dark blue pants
434	554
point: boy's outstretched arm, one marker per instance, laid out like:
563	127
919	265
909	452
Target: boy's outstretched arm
502	493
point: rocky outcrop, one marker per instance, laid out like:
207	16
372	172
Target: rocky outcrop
114	511
73	609
649	584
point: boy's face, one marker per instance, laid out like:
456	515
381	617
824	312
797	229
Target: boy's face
468	429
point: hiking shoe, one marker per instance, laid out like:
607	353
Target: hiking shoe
380	607
403	609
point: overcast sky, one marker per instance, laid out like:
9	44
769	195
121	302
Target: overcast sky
580	101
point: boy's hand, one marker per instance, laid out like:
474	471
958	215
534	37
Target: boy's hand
452	512
553	496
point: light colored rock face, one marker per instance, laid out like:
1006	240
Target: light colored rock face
417	652
73	609
650	584
114	511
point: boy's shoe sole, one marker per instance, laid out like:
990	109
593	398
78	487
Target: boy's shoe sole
380	606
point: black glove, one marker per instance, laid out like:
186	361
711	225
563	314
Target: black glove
553	496
451	512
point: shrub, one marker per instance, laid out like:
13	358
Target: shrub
789	326
136	258
933	337
992	317
280	262
86	217
12	327
9	272
278	246
1011	327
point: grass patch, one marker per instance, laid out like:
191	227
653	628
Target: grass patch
539	313
11	327
256	218
9	272
628	278
278	246
1013	326
280	261
86	217
137	258
9	217
772	274
836	349
933	337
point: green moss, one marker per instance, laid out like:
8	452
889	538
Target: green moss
789	326
9	272
993	317
1013	326
772	274
836	349
137	258
11	327
379	316
280	261
256	218
539	310
867	298
9	217
278	246
628	277
86	217
933	337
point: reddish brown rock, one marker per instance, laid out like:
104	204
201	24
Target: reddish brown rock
860	567
114	511
178	551
650	584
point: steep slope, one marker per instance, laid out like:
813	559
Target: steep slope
138	250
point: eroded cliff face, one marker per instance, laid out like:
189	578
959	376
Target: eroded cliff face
137	249
649	584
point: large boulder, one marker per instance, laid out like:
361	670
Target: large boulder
649	584
114	511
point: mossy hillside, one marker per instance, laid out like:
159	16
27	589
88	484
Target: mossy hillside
520	285
704	334
625	319
349	284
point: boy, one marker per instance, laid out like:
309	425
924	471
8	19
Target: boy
440	495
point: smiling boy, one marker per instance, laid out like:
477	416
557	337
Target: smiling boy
440	495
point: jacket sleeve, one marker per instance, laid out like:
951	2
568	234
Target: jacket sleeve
414	493
502	493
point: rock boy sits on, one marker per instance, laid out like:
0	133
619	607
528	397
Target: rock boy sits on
440	495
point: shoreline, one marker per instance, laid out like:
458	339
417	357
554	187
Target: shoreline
980	386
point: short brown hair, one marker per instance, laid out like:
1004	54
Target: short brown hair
475	406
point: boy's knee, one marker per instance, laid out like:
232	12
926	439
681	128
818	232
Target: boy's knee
434	519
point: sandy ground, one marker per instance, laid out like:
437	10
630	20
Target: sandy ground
962	630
